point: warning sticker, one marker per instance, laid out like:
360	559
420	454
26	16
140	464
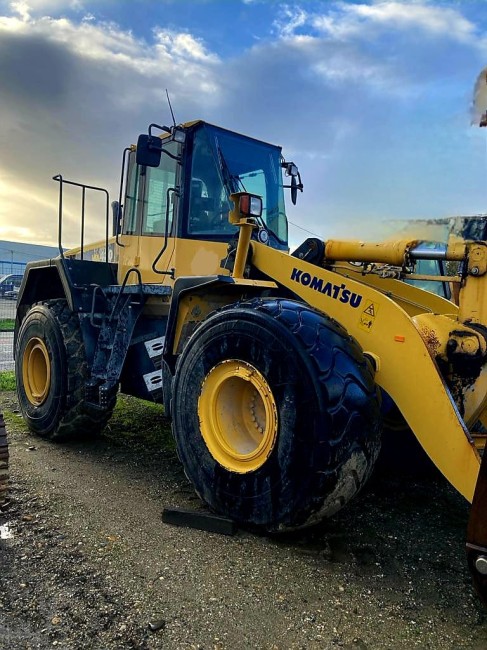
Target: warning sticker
368	315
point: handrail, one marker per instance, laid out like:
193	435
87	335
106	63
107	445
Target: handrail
83	187
122	178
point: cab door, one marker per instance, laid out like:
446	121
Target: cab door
149	218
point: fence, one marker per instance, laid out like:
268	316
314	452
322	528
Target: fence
7	314
8	266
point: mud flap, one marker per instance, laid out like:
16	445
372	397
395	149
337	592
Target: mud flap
477	533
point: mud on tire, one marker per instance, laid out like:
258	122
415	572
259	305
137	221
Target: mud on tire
329	427
50	336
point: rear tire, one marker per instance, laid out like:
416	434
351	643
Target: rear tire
275	414
51	371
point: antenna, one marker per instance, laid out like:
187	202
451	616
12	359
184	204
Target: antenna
170	108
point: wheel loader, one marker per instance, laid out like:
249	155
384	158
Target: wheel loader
277	369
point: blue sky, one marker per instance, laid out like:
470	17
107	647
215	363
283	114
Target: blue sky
373	100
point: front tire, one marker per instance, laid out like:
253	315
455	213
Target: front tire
51	371
275	414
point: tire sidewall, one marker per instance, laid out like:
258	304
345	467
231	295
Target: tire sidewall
41	323
268	346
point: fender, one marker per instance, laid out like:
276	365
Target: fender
73	280
193	299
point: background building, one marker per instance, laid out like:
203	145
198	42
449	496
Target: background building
15	255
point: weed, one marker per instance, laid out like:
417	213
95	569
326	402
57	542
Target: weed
7	380
7	324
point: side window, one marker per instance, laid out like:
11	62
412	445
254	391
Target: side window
159	201
149	198
130	206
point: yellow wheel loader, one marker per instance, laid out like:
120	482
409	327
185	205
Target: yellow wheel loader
277	369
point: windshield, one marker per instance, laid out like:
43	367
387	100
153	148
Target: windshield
224	163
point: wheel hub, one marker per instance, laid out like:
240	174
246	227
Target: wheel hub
238	416
36	371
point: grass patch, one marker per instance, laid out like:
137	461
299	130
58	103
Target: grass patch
138	423
7	380
135	423
7	324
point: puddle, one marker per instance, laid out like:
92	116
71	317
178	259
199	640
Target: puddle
5	532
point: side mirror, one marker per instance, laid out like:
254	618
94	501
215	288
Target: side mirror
294	189
149	149
292	170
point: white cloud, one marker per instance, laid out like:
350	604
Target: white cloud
290	20
343	21
339	89
42	6
74	94
439	20
22	9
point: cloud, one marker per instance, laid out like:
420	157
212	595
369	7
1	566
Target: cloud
70	91
438	20
366	97
346	21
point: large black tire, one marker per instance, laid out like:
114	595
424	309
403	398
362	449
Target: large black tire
321	399
3	462
51	371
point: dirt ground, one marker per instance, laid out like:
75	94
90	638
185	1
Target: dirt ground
86	562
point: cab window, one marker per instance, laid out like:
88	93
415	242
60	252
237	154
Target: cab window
150	196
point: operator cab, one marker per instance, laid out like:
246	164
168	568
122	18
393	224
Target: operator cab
187	193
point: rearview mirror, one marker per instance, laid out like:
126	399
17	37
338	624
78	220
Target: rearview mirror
148	150
296	184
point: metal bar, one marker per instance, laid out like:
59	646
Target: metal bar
422	252
199	520
83	195
107	221
120	194
84	187
60	180
433	278
166	235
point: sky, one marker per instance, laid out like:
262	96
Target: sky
372	100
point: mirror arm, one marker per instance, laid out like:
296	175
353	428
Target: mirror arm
171	155
166	129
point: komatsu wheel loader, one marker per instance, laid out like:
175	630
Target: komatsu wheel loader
276	369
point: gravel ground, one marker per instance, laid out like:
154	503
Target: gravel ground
85	561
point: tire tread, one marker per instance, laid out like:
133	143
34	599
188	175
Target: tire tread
79	418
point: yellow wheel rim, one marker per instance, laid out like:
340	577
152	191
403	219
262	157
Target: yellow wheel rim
238	416
36	371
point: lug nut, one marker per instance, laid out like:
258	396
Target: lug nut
481	564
